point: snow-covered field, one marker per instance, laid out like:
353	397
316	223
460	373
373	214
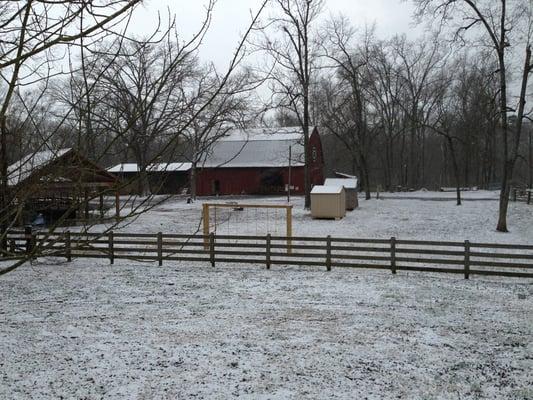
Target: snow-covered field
88	330
395	215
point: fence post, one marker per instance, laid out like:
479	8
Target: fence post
205	221
28	235
68	247
212	248
467	259
3	245
111	249
160	248
268	239
393	255
289	228
328	253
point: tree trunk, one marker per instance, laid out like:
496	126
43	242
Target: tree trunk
510	162
366	178
455	170
4	203
530	160
505	184
307	177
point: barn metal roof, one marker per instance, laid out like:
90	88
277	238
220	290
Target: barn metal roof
156	167
26	166
260	147
348	183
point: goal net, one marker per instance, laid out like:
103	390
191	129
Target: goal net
236	219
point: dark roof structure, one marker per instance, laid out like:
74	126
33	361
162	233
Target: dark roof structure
60	168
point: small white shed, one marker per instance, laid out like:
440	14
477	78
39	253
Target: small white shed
350	186
328	202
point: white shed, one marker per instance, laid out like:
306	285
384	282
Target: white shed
328	202
350	185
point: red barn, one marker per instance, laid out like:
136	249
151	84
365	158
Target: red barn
256	161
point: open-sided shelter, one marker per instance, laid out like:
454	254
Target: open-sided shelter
163	178
59	182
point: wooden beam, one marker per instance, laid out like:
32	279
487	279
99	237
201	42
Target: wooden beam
289	230
86	203
101	204
240	205
117	205
205	218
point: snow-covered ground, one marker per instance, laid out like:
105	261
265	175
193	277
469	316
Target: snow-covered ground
396	214
137	331
87	330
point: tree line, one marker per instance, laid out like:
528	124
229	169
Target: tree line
448	108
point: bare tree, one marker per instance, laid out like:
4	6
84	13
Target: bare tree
39	27
348	114
229	110
289	39
32	33
142	102
505	25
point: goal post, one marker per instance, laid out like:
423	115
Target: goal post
206	213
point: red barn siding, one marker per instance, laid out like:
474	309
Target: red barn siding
235	181
244	180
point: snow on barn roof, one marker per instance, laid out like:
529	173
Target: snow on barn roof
348	183
22	169
124	167
170	167
323	189
262	134
258	147
156	167
343	175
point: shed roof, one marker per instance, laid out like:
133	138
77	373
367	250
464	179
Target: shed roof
65	167
348	183
343	175
155	167
260	147
124	167
26	166
323	189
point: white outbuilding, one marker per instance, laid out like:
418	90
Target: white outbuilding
350	186
328	202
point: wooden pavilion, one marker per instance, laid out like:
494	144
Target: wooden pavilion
60	183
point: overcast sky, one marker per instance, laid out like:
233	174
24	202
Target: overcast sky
231	18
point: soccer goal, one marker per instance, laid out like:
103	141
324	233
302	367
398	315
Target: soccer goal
238	219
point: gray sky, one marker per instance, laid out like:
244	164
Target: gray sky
231	18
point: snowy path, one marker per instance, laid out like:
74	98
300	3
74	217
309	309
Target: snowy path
89	330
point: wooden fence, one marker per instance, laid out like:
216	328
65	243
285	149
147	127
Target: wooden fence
522	195
466	258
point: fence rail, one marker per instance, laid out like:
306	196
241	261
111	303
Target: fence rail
466	258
